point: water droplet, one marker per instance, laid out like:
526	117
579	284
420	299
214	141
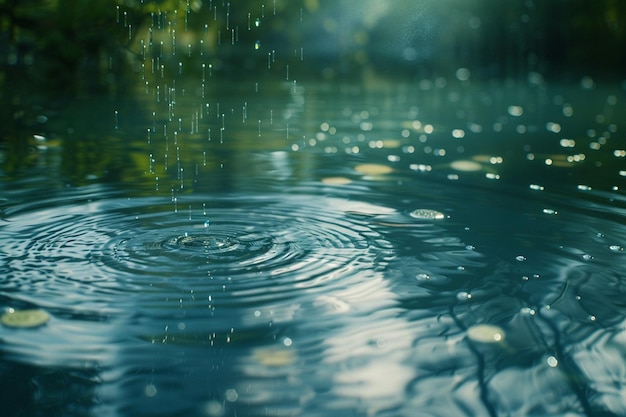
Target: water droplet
206	223
552	362
231	395
515	111
462	74
150	390
586	83
214	408
458	133
427	214
463	296
520	258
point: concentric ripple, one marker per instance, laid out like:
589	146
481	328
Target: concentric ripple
251	247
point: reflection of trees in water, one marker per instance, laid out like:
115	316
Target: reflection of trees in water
73	45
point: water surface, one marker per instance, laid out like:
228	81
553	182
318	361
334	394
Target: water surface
221	242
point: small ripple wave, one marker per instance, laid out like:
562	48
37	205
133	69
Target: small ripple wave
255	248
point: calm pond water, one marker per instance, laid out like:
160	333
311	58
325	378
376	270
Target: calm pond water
208	244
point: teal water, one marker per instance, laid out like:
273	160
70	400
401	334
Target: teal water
295	275
248	242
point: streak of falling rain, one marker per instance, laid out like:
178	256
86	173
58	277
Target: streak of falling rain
227	16
173	42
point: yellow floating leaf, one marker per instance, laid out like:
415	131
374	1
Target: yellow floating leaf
392	143
486	333
466	166
373	169
25	318
336	180
273	357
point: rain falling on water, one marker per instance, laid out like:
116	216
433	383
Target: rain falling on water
322	208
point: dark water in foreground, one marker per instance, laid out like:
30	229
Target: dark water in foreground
288	265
